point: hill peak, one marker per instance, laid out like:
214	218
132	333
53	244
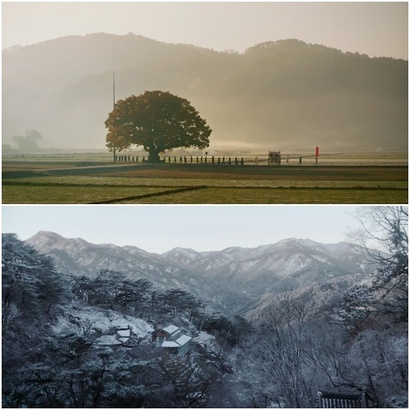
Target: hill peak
47	238
46	235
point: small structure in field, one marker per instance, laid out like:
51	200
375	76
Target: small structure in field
274	157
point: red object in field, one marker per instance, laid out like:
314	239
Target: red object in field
317	151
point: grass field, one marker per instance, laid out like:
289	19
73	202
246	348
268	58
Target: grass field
383	180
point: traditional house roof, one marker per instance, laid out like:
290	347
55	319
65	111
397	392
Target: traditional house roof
181	341
122	337
171	329
124	332
336	400
171	337
184	339
170	343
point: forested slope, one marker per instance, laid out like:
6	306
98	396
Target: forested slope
347	334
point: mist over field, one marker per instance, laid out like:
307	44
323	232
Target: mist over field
284	95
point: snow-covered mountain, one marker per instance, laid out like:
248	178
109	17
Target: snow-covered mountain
81	258
291	261
231	278
181	256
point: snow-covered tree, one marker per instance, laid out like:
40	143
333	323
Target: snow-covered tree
31	294
384	236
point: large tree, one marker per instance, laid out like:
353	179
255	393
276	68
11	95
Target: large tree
158	121
29	142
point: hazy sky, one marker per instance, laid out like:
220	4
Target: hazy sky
373	28
161	228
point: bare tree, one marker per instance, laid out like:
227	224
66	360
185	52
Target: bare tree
375	312
384	236
279	354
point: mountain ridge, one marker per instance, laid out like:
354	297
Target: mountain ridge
286	94
50	235
232	277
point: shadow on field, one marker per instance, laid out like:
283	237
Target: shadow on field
146	196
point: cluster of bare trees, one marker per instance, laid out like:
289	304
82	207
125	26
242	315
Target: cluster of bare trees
360	348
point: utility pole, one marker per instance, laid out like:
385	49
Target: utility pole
113	102
113	89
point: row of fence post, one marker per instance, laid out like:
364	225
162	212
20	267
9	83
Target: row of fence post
201	160
188	160
184	159
205	160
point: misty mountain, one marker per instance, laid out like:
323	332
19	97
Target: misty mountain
285	95
232	279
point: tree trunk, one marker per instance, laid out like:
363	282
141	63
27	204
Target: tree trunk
153	156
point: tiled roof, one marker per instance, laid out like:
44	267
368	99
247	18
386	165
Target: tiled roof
181	341
171	329
124	333
170	344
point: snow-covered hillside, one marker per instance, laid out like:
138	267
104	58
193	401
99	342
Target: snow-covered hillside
228	279
75	341
80	319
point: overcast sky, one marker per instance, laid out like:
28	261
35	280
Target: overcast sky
373	28
203	228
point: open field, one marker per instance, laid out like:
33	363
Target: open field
345	182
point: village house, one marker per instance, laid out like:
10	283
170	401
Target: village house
172	339
122	337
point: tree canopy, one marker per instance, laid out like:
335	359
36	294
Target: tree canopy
158	121
28	142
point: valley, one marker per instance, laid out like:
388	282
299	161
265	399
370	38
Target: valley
101	325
